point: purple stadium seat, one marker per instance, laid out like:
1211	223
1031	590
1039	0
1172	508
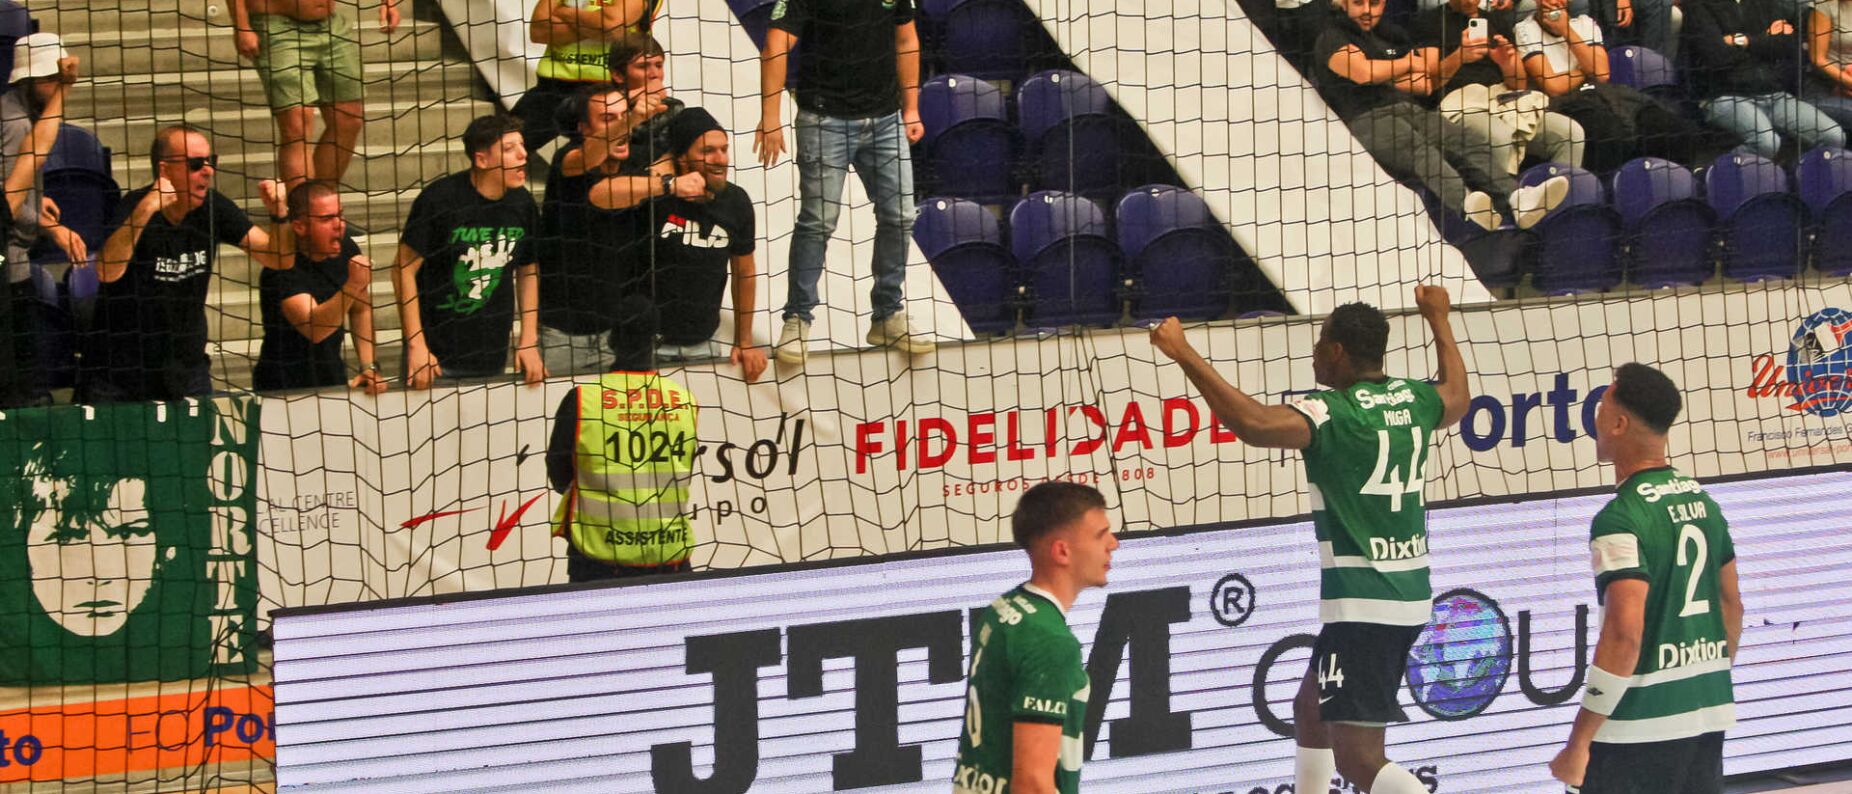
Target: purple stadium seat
1824	178
1176	250
1069	261
15	24
968	149
1641	68
991	39
964	243
1759	221
1072	134
1668	227
54	342
1578	243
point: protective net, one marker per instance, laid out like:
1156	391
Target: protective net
1081	169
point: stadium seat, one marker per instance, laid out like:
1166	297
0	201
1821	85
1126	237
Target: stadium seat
1824	179
77	177
1177	252
1072	134
1667	227
15	24
968	148
78	149
1070	262
1759	222
54	338
1578	243
991	39
1641	68
964	243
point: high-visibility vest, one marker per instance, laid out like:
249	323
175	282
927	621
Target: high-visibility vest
632	463
584	61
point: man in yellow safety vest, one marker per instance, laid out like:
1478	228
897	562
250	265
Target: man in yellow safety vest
622	452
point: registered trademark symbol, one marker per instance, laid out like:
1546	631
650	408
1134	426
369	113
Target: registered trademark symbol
1232	601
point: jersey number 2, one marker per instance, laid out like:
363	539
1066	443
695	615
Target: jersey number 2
1693	605
1386	481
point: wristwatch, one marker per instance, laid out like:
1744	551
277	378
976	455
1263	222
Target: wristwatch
668	185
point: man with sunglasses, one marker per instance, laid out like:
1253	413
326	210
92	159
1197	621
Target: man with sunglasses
149	339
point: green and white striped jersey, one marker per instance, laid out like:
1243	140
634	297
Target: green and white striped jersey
1663	528
1025	667
1366	466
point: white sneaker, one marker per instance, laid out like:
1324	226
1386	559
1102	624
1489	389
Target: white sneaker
893	332
1529	205
1478	209
790	347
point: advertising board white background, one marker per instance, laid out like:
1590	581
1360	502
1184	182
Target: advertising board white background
590	688
402	495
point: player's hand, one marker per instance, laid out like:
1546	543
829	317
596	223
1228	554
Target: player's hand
768	141
68	241
389	17
1168	338
421	367
369	381
1570	765
692	185
246	42
750	360
915	128
527	362
1433	302
274	196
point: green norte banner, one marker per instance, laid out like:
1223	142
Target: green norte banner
126	549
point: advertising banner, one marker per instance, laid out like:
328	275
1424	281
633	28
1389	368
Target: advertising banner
128	552
848	676
865	453
82	738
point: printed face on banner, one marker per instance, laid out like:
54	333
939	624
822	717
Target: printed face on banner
90	543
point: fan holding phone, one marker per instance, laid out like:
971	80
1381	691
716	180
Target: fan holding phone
1483	84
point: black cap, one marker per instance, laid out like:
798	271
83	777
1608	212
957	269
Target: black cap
687	127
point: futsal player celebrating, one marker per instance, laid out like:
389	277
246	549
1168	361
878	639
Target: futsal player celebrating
1365	442
1026	695
1659	697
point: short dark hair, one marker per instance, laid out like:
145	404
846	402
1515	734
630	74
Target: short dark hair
629	48
158	150
484	131
1362	330
300	196
633	334
1648	394
1050	506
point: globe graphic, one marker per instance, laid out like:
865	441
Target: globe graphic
1461	660
1820	361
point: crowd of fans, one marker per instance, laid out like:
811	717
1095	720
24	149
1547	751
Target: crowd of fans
1458	95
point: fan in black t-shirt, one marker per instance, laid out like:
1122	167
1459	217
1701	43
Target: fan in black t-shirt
149	340
303	306
468	235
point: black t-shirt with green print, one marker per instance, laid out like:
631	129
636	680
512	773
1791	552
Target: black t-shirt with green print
471	247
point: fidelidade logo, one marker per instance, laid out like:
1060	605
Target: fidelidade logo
1460	662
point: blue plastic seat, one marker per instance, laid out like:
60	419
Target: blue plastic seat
1824	179
991	39
1668	228
1072	135
964	243
1070	262
1578	243
968	149
1759	222
1178	253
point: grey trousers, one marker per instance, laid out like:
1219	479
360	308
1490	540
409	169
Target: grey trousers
1412	142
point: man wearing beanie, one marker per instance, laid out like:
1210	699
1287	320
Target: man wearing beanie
697	242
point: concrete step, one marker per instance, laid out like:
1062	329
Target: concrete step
373	170
196	46
248	129
172	95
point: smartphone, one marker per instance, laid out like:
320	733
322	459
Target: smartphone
1478	29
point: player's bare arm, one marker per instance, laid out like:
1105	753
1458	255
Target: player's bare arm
1623	621
1259	424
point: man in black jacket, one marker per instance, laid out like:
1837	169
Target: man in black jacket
1744	60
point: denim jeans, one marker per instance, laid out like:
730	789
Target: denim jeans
1762	120
878	149
575	354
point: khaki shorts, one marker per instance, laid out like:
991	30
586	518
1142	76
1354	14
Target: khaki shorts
308	63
